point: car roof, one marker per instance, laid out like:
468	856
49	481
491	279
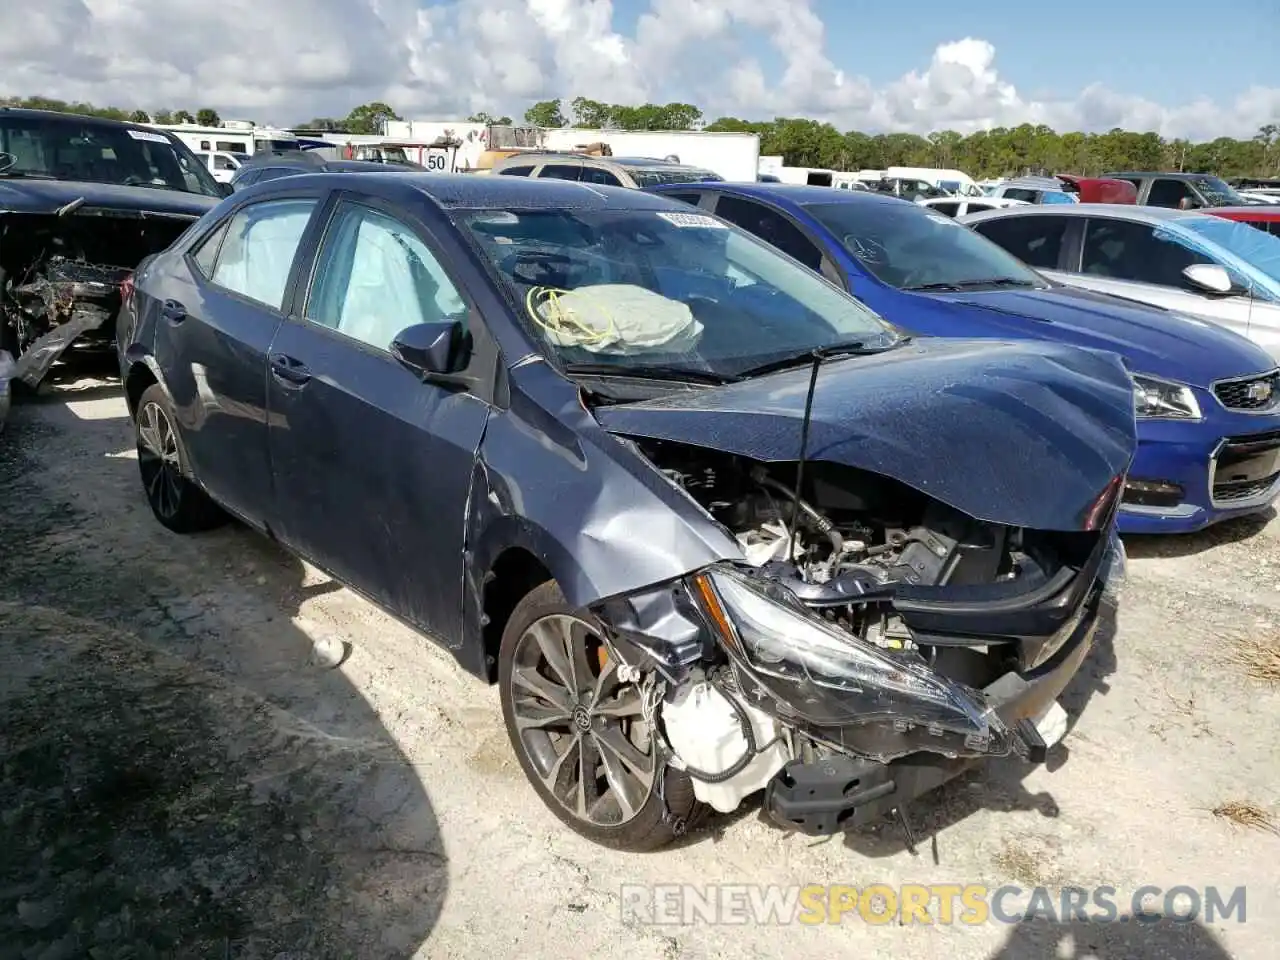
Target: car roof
1164	174
633	163
463	191
797	194
26	113
1122	211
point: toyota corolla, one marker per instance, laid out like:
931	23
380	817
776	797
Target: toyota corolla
711	525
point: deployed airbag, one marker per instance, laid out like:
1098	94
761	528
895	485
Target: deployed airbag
615	318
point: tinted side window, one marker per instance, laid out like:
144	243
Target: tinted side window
223	163
375	277
560	172
950	209
1134	251
257	254
771	227
601	176
515	171
1021	193
1036	241
1168	193
690	198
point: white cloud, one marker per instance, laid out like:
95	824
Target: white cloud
284	63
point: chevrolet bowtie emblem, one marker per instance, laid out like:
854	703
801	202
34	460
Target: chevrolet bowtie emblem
1260	390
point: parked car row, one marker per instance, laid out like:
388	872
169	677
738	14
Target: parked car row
728	488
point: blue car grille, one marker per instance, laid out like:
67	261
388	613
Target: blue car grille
1256	393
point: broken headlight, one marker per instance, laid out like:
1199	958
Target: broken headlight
1156	399
827	677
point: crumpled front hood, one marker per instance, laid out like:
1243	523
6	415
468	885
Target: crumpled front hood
1027	434
1153	340
46	196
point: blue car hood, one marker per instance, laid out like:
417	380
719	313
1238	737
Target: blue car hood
1151	339
45	196
1028	434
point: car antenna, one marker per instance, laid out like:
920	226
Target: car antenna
818	356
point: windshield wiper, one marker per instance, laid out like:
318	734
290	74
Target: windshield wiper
29	176
850	348
971	284
648	372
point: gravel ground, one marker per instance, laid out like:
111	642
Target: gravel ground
211	750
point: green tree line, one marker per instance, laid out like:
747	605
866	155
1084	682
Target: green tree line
808	143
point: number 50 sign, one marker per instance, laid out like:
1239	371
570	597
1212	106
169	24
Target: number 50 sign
437	161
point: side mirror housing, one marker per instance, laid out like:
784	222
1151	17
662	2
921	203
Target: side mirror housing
442	348
1211	278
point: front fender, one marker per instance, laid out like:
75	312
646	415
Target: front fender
593	511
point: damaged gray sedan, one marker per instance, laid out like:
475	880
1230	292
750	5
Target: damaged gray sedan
714	528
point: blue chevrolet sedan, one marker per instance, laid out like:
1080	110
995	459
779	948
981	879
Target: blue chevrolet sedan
1208	400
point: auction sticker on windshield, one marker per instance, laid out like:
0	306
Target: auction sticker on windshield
693	220
152	137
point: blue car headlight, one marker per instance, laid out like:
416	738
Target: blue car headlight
1158	399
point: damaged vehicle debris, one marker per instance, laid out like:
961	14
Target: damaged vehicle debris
82	202
714	528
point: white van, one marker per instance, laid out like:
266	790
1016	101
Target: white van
223	164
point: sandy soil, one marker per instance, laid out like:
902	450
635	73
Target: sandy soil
186	773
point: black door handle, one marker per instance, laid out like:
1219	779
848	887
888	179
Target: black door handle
173	311
291	371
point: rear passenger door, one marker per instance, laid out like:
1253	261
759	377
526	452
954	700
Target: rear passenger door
1039	240
212	340
373	463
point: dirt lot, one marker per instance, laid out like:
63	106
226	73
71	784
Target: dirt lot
187	774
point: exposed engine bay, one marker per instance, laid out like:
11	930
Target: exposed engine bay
60	277
858	539
913	609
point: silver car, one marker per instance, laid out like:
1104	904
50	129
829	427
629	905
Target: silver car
634	172
1209	267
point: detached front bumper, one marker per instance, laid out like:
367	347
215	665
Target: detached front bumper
840	792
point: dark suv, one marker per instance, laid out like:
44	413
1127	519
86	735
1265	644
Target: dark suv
83	201
1181	191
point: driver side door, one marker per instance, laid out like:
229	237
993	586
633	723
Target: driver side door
1139	261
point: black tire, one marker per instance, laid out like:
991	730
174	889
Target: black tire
655	823
177	501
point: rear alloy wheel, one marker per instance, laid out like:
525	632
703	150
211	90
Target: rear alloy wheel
581	734
176	500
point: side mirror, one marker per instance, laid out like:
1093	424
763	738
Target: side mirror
1211	278
440	348
226	189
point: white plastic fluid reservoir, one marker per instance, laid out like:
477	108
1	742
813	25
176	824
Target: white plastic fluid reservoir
706	733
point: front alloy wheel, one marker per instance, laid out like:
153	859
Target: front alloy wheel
581	734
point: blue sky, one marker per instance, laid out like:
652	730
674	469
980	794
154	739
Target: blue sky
1169	51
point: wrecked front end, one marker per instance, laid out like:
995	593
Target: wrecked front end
61	275
873	643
